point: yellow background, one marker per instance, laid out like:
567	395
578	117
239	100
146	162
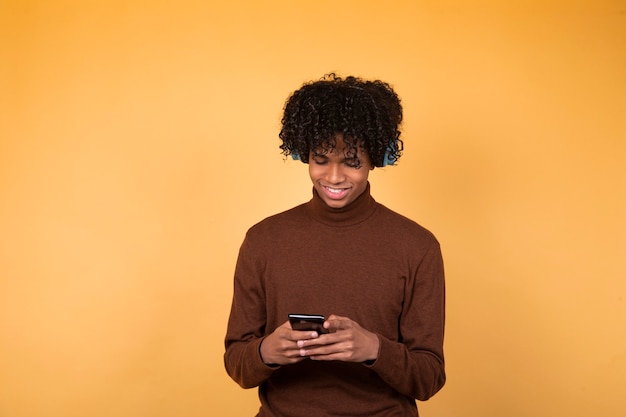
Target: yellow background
138	142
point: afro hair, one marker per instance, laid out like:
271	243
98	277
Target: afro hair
366	113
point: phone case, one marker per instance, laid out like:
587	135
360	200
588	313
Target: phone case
308	322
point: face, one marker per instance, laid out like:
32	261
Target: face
335	175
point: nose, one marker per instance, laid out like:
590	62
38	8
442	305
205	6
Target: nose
335	174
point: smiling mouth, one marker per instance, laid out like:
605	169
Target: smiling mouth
335	192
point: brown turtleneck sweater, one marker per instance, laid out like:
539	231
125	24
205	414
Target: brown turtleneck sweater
364	262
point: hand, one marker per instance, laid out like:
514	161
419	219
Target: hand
347	341
281	346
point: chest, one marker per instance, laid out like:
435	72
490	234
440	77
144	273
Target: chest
348	274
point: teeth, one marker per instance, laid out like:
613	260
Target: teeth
334	190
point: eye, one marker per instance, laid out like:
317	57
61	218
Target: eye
352	162
319	160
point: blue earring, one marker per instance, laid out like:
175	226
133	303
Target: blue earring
295	156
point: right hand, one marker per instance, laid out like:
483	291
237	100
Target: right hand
281	346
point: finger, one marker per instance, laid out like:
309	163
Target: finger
337	323
297	335
340	354
325	349
328	355
321	340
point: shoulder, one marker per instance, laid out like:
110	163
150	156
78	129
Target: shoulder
279	222
403	228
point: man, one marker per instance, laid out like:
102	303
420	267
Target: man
376	275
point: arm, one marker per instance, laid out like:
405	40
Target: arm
415	367
252	354
246	324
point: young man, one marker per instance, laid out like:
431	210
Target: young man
376	275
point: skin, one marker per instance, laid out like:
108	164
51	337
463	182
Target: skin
347	341
339	182
336	176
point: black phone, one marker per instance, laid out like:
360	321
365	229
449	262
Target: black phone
308	322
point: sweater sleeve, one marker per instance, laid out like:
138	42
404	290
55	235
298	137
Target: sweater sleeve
246	324
414	366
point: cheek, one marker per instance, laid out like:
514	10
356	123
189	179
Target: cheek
362	176
314	172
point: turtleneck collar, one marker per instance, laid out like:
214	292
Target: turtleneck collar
356	212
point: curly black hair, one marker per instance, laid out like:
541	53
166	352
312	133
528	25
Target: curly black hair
366	113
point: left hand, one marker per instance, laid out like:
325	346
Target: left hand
347	341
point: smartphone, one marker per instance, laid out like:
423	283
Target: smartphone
308	322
